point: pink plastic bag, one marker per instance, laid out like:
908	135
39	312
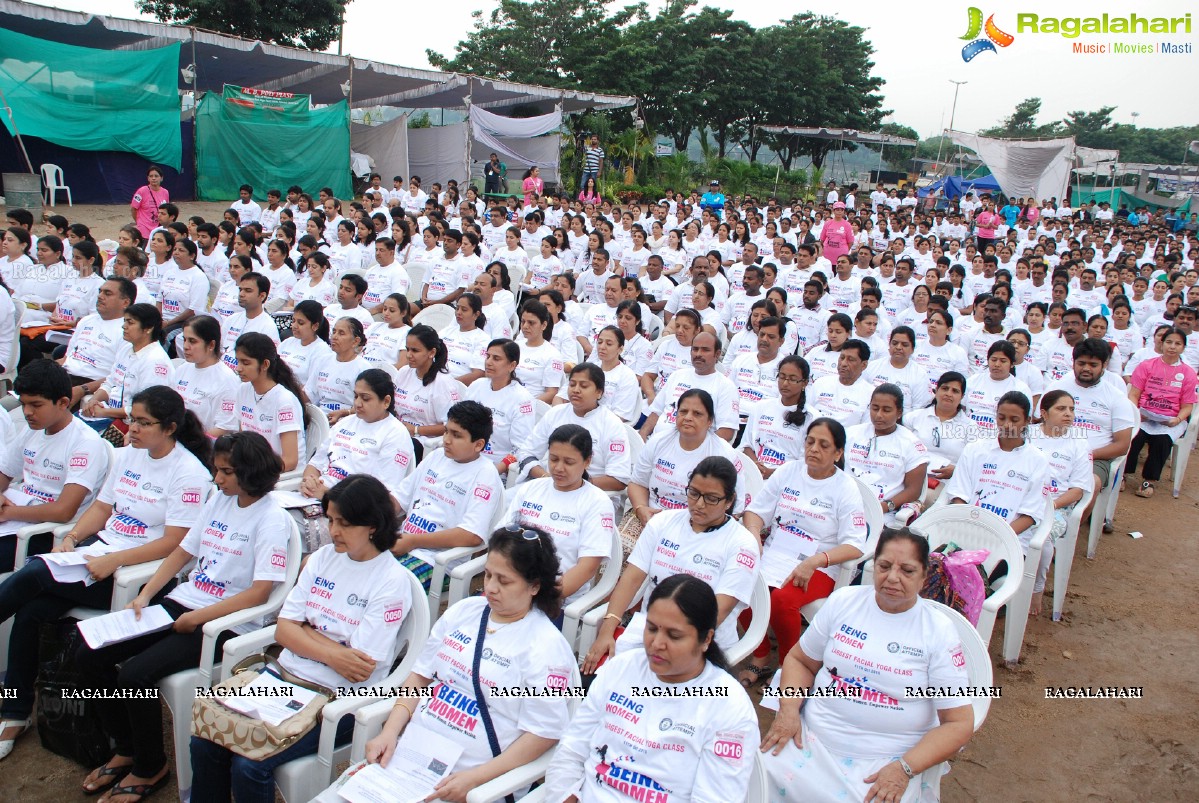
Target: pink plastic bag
966	581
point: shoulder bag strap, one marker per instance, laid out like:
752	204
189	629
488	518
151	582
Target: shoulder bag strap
480	696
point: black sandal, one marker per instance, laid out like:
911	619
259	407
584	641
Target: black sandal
141	790
759	673
112	774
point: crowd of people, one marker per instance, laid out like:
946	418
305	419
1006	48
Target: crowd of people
601	371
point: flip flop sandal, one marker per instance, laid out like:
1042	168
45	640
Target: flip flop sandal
759	673
1145	491
141	790
107	778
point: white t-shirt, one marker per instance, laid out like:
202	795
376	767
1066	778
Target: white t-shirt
183	290
247	211
93	346
936	360
149	495
528	653
443	275
822	361
40	465
609	437
669	356
382	449
772	440
335	312
881	654
277	412
684	749
210	393
442	494
513	415
237	325
1069	458
301	359
330	384
224	305
723	391
466	351
358	604
804	516
133	372
943	440
726	559
540	368
664	467
78	297
383	281
420	404
580	521
881	461
1100	410
848	404
1009	484
755	380
912	379
982	400
323	292
384	344
234	548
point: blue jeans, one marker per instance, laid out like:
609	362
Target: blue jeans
220	775
586	175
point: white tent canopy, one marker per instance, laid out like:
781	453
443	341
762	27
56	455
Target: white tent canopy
840	134
1024	168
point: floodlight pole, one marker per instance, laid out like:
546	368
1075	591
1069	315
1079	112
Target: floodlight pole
953	111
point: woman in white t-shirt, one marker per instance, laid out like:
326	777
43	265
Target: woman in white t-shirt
512	255
208	388
153	494
1022	368
702	540
541	363
318	286
466	340
309	341
330	384
704	735
224	304
872	741
239	546
346	256
16	262
987	386
269	399
674	258
638	352
509	634
1066	451
622	389
888	456
338	627
899	369
424	389
511	405
815	519
672	352
633	259
542	268
944	429
40	284
937	354
141	362
823	357
77	298
281	271
776	428
162	246
387	339
664	465
576	514
1004	473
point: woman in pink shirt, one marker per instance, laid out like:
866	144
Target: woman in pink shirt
146	201
1163	389
532	184
837	235
987	221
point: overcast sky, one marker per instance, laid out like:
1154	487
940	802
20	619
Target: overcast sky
917	51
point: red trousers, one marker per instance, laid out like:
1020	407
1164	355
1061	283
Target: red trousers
785	619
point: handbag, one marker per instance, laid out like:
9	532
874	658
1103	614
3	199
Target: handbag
67	724
246	735
480	697
629	530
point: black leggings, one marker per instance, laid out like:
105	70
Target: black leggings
1159	453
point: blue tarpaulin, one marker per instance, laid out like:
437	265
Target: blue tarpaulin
956	186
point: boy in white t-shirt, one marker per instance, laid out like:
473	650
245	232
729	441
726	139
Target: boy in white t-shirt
50	471
453	496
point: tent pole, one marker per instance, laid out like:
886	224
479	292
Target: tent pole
16	132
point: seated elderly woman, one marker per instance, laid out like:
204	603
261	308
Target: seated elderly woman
871	643
510	641
703	742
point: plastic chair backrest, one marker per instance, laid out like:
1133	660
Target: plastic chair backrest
874	516
759	608
979	671
971	527
752	481
540	408
635	445
416	280
438	316
316	433
52	175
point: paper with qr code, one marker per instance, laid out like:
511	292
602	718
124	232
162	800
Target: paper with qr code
421	760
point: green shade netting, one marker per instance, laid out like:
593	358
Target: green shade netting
270	144
93	100
1119	196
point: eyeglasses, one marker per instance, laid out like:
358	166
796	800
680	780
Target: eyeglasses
792	380
528	535
711	499
142	423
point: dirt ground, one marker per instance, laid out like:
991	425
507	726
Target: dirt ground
1113	633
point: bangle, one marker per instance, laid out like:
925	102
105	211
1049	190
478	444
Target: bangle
399	703
612	616
71	535
906	767
825	559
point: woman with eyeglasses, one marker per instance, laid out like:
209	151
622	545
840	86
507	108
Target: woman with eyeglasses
813	520
130	522
705	541
944	429
776	428
511	624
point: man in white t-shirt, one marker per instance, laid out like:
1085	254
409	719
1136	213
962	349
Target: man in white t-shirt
589	287
51	470
385	277
247	211
449	276
268	218
705	355
350	292
604	314
94	343
756	375
252	292
211	258
846	396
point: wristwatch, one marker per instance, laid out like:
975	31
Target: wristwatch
890	505
906	767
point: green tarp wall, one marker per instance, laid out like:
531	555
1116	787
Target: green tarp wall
94	100
269	143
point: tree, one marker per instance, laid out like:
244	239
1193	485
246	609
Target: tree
1021	123
897	157
1086	127
312	24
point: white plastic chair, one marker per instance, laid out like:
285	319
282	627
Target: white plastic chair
1063	557
178	691
55	183
316	433
972	527
1017	614
304	778
752	481
443	559
416	280
9	375
759	608
439	316
874	529
1180	454
1104	510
